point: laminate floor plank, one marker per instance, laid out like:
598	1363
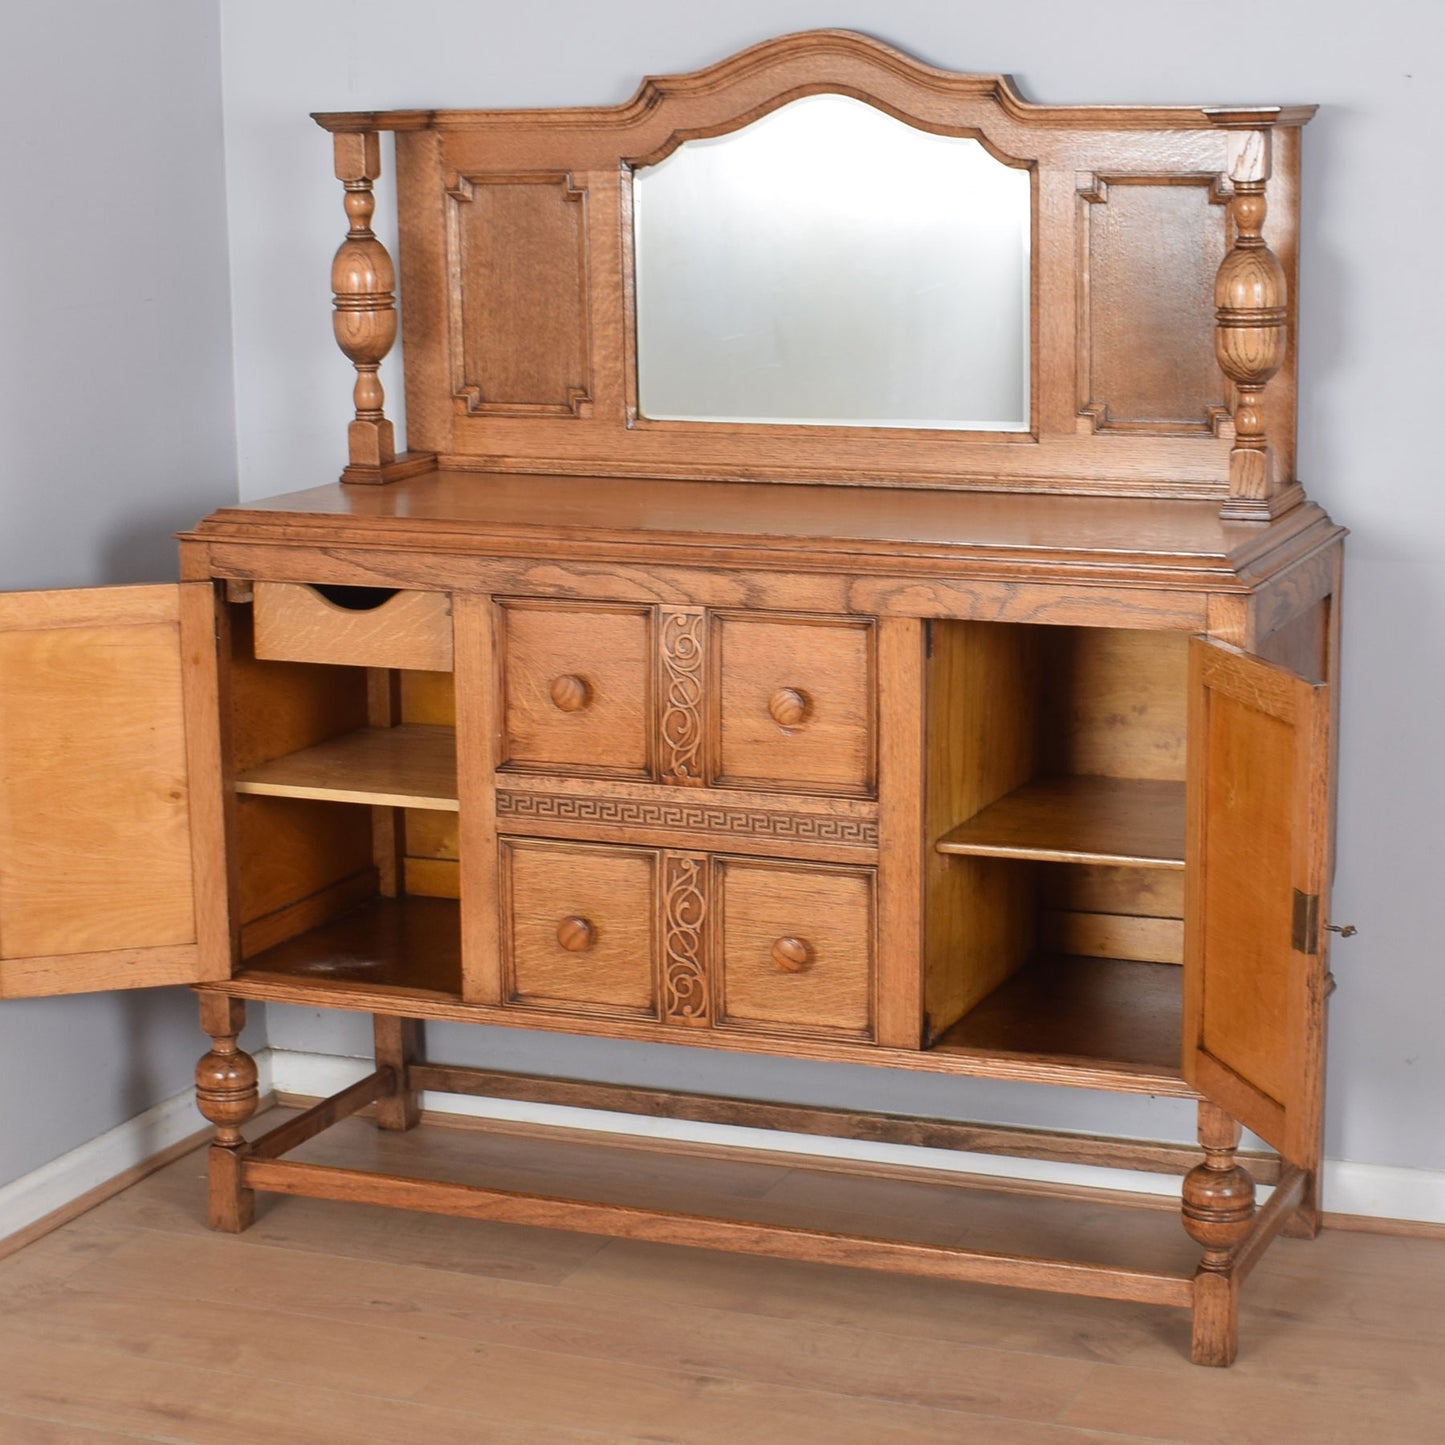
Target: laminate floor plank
331	1324
17	1431
77	1386
1226	1408
262	1343
324	1298
643	1402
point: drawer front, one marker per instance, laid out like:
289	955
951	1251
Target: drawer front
576	686
355	626
795	943
794	703
579	931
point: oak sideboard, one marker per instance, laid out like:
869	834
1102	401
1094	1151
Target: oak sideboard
847	597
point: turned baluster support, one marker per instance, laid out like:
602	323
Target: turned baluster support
226	1095
363	283
1251	328
1218	1215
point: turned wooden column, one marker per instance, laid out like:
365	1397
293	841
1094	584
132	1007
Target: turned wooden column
1251	329
226	1095
363	283
1218	1213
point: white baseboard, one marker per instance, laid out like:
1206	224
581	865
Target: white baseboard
31	1197
1371	1190
1374	1191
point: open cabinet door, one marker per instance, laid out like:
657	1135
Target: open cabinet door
100	786
1257	858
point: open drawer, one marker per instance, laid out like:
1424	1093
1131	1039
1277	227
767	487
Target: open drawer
357	626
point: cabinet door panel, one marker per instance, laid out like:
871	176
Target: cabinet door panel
1257	856
96	870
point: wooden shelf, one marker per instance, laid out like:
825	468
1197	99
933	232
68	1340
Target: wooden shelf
1093	1015
395	946
412	766
1079	820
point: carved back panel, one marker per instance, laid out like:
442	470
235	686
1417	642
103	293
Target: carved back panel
1160	311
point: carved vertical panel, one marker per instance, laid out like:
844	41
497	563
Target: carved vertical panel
1149	250
518	261
685	992
682	754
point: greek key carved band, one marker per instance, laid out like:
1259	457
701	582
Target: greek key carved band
698	816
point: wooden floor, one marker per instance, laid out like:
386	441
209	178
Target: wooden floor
332	1323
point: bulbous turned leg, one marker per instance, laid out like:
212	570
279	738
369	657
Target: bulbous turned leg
226	1094
1218	1213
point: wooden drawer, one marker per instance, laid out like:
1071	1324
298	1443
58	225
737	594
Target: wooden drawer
795	945
358	626
578	929
576	685
794	702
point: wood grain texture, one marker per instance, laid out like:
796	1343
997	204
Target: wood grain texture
820	672
904	858
409	766
479	722
824	983
1124	821
1150	248
299	624
613	892
95	841
393	947
608	649
981	743
517	253
1258	828
1104	1014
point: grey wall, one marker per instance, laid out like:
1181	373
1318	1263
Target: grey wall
116	425
1372	314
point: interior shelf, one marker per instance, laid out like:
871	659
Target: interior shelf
1129	821
1095	1013
411	766
390	945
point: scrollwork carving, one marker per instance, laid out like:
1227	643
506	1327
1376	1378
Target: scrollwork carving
681	722
685	995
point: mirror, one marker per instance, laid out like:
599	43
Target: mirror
829	265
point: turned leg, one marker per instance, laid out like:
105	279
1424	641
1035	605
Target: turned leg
1218	1212
398	1043
226	1094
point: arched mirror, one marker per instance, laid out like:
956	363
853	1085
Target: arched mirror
828	265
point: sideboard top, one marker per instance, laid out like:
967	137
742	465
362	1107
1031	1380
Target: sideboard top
706	523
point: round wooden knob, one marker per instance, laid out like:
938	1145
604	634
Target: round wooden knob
570	692
792	955
575	934
789	707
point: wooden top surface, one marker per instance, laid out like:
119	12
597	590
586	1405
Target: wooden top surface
457	510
